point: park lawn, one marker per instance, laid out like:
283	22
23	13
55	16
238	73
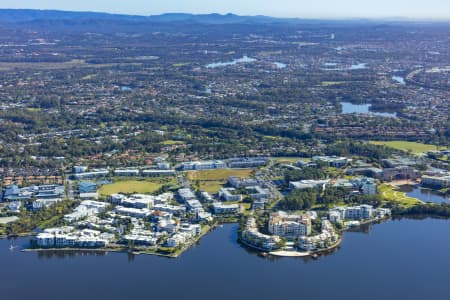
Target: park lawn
219	174
130	187
390	194
416	148
49	223
287	160
212	181
331	83
178	65
172	142
211	187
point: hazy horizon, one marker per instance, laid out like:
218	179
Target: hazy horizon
321	9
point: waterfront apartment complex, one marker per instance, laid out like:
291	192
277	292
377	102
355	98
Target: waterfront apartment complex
289	225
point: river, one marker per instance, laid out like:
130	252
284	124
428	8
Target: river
405	259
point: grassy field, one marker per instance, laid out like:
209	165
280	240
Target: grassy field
390	194
130	186
219	174
288	159
212	181
172	142
7	220
416	148
331	83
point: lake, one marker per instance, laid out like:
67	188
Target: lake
244	59
399	80
280	65
403	259
424	194
350	108
332	66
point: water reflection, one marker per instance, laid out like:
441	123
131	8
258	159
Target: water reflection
350	108
424	194
61	254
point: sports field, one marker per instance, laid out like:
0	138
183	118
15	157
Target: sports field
416	148
212	181
129	187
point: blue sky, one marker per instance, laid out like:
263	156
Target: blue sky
436	9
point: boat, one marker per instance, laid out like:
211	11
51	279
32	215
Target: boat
12	247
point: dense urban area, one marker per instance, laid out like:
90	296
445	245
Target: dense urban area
143	134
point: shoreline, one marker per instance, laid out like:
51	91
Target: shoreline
124	249
315	253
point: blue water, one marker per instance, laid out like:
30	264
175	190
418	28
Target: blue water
280	65
350	108
332	66
399	80
425	195
244	59
405	259
360	66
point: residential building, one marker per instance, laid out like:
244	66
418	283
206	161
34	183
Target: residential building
325	239
361	212
439	182
126	172
305	184
220	208
247	162
203	165
85	209
251	236
229	194
237	182
186	194
289	225
158	173
132	212
333	161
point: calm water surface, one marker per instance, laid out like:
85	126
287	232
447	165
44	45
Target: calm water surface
407	259
244	59
399	80
280	65
350	108
424	195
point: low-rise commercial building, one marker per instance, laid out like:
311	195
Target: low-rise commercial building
439	182
203	165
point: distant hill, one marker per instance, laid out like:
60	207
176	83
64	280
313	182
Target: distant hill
31	15
69	19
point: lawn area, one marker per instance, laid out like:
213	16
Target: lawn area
416	148
7	220
129	187
219	174
211	187
212	181
172	142
390	194
331	83
288	159
48	223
